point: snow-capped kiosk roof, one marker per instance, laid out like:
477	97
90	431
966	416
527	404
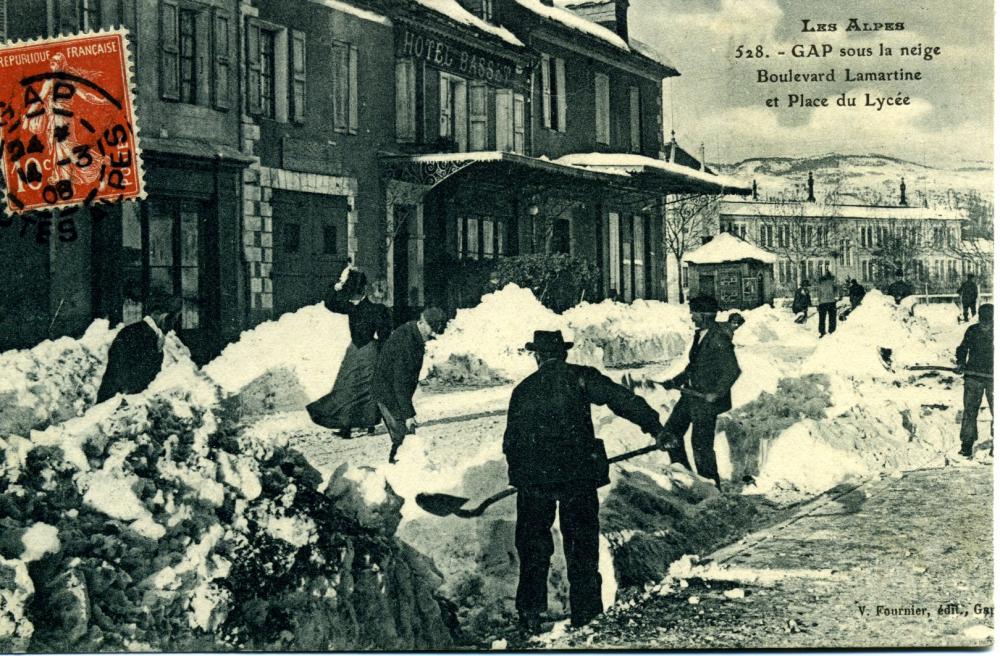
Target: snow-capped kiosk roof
725	247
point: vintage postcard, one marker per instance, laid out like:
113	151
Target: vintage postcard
397	325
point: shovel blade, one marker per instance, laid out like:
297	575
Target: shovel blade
441	505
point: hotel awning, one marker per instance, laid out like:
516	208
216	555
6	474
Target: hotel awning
622	172
659	175
500	168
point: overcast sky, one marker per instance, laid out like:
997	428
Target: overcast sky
718	101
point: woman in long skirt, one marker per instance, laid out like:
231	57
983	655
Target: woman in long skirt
350	404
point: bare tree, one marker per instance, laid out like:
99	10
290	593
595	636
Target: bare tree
686	219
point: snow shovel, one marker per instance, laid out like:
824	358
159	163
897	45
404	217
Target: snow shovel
443	505
885	355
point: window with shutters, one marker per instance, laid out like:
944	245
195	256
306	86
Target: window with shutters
345	88
505	119
269	68
634	120
406	100
553	93
298	76
478	94
195	52
453	106
602	104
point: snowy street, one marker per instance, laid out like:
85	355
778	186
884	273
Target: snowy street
919	543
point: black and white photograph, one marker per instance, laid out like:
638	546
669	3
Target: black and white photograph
496	325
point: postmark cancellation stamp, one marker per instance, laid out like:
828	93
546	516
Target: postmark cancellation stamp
67	122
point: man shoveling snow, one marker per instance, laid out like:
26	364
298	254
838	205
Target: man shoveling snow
975	360
554	459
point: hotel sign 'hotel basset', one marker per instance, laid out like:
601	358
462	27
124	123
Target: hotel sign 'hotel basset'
411	136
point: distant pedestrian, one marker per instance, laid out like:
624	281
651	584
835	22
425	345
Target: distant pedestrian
801	302
136	353
397	371
969	293
856	293
554	459
350	403
705	386
826	303
900	289
975	361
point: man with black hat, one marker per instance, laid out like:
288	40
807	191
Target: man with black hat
975	360
397	371
705	390
969	293
553	459
136	353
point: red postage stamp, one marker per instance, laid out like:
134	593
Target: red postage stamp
67	122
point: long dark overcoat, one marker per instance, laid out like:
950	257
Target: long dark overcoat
134	360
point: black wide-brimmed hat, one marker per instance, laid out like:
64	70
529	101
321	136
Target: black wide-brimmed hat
547	341
704	304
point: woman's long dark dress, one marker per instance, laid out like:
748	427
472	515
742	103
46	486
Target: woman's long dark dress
350	404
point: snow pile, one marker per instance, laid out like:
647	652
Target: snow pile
154	524
55	380
852	352
309	342
494	333
628	335
771	327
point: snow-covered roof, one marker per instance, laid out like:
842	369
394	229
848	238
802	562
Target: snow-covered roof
650	52
632	163
572	21
453	10
825	210
725	247
357	12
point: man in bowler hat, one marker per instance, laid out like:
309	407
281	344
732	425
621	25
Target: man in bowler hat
555	461
705	389
397	372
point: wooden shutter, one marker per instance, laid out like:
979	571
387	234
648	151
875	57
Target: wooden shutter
602	102
221	59
461	109
352	90
561	94
518	124
505	120
169	51
635	119
298	70
478	116
546	93
254	68
406	97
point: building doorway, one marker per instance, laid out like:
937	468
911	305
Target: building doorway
310	247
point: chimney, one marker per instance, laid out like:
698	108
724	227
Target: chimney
754	196
621	19
902	192
702	155
611	14
812	195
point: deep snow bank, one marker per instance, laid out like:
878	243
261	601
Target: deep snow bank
151	523
55	380
632	334
309	343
